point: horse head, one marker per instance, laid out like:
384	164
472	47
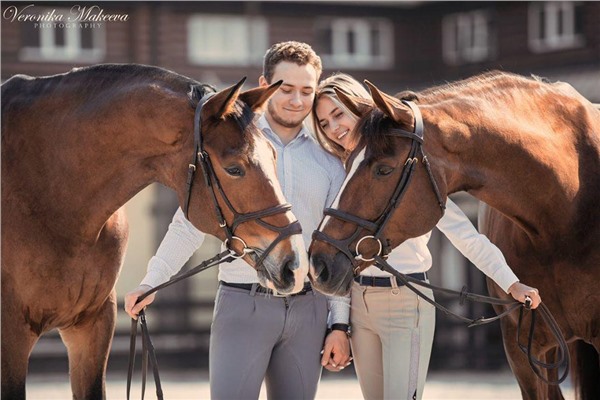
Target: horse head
386	199
235	194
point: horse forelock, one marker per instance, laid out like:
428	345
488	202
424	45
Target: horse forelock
198	91
233	141
374	128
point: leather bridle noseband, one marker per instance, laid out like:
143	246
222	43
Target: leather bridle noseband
212	182
377	227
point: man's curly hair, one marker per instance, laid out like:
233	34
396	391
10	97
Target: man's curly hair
295	52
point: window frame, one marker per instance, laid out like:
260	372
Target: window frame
467	37
553	40
256	36
48	51
362	29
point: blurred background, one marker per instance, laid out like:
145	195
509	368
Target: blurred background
396	45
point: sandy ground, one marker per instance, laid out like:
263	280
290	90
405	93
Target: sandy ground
440	386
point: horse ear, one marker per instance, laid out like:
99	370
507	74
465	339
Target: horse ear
390	105
256	98
357	105
221	104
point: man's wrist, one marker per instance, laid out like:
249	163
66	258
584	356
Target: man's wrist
340	327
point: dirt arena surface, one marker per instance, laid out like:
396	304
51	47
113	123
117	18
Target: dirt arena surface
188	386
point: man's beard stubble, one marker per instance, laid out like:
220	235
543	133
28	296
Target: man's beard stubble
285	123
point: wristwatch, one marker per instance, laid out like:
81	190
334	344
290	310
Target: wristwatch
341	327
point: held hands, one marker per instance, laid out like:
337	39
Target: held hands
520	292
336	351
130	298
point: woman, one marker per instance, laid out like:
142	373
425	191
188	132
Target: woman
392	328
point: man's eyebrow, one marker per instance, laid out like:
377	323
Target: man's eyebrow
293	86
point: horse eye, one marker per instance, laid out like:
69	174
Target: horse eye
234	171
384	170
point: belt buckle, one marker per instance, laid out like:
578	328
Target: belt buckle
274	293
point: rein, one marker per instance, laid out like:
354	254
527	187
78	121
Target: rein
512	305
212	181
377	227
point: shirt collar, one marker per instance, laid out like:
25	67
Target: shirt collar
264	126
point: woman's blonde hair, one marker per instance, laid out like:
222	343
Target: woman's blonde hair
348	85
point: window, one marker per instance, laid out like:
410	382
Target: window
355	43
62	41
226	40
466	37
555	25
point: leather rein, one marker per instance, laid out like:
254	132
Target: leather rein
377	227
211	180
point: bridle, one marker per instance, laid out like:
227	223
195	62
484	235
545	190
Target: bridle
212	181
377	227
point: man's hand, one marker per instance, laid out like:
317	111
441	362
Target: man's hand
130	298
336	351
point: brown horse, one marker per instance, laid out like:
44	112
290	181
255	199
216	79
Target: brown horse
530	150
75	148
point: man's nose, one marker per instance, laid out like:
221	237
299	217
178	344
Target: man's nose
295	99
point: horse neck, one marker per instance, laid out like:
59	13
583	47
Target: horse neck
100	163
509	161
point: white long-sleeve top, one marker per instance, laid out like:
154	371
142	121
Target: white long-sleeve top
413	255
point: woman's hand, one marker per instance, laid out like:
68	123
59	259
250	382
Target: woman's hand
336	351
130	298
521	292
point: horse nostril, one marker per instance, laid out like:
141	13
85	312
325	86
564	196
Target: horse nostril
320	267
289	266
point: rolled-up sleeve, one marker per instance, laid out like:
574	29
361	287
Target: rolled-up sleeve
339	309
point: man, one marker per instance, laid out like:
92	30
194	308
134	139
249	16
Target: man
256	336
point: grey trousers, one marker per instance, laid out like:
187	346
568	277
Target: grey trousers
256	337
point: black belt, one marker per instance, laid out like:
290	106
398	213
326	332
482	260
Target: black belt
263	290
386	282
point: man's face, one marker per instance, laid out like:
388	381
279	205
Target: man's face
290	105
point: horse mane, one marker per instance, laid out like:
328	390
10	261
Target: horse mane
492	86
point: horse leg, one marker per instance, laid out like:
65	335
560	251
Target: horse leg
88	344
532	388
17	342
553	391
585	369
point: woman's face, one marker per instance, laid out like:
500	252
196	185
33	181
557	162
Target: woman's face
336	124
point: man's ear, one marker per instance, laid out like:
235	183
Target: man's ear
391	106
262	81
